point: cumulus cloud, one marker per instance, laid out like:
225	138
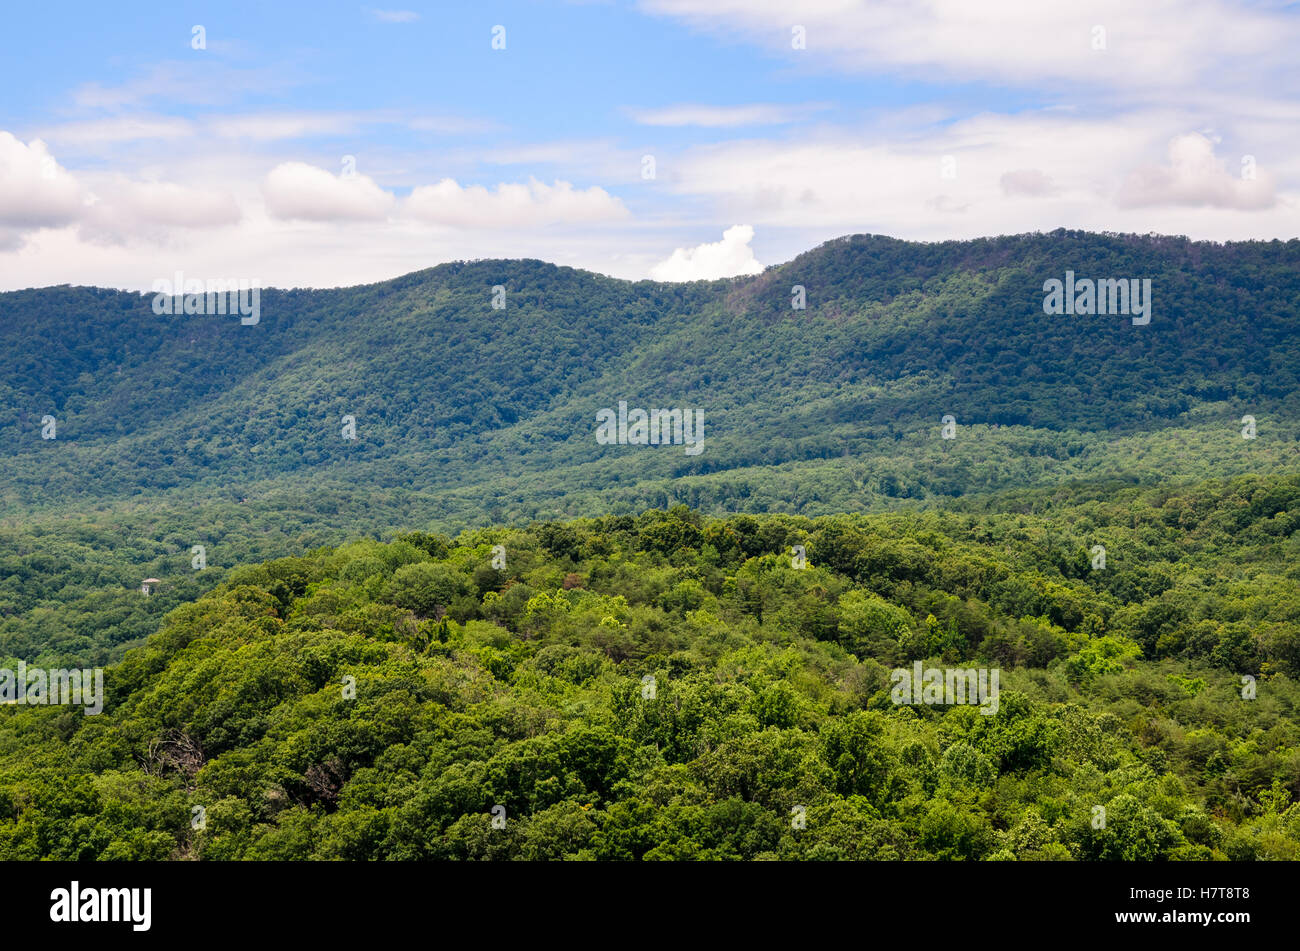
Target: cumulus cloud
1195	177
128	209
885	179
726	258
35	191
296	190
511	205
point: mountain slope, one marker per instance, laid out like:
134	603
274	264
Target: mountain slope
183	431
448	392
669	687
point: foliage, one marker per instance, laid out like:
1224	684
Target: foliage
637	701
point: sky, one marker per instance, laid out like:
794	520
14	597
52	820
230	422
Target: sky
327	144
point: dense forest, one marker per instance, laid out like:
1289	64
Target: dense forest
494	408
175	431
674	686
473	631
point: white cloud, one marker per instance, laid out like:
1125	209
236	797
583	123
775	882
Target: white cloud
451	125
130	128
253	126
1158	44
35	191
269	126
726	258
511	205
832	184
139	209
392	16
1030	182
685	114
1196	177
947	205
1025	171
296	190
197	81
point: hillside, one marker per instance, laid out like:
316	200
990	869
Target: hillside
675	687
176	431
455	397
651	672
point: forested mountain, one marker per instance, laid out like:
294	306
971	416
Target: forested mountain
477	630
176	431
675	687
494	409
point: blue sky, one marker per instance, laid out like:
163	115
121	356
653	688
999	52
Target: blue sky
330	143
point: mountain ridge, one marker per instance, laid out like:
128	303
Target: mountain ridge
895	335
173	432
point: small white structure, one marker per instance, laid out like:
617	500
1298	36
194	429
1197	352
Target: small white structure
146	585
